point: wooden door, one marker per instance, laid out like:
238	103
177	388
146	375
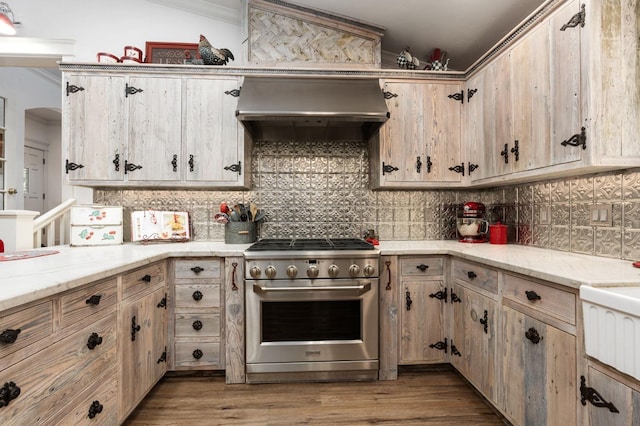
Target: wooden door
421	322
566	90
93	128
539	379
475	320
402	136
141	348
442	133
531	100
623	398
155	122
473	127
214	138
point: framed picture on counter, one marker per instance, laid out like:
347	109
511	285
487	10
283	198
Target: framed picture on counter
169	53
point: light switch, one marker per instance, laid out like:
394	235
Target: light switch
603	216
595	214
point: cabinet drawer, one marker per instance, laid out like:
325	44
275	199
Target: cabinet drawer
549	300
476	275
143	280
197	296
63	370
187	352
197	268
105	395
421	266
88	301
196	325
35	323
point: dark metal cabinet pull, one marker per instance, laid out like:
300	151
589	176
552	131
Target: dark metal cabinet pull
8	392
93	300
197	269
532	295
588	393
418	164
234	286
95	409
505	153
174	163
197	295
9	335
197	354
409	302
388	265
94	340
146	278
429	164
191	162
134	328
116	162
533	336
485	321
422	267
472	275
197	325
516	150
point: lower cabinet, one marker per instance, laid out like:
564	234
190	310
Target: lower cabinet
538	371
609	401
421	306
143	335
474	318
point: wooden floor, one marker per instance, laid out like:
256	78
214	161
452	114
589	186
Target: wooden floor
418	397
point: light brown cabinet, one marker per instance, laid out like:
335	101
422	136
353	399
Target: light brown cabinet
142	327
420	145
198	314
422	302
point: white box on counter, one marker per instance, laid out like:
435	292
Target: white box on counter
93	225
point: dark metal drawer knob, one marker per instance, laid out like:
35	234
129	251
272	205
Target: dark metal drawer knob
532	295
197	325
472	275
423	267
197	269
93	300
197	354
95	409
197	295
146	278
9	336
94	340
533	336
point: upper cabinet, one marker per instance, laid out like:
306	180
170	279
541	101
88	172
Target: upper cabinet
420	145
135	129
561	99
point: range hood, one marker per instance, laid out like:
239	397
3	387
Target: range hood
305	103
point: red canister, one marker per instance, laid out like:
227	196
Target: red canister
498	233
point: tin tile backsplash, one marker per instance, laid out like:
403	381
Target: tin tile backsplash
321	189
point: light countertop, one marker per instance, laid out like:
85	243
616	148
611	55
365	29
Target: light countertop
26	280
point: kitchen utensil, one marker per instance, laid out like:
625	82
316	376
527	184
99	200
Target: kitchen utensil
221	218
234	216
253	210
498	233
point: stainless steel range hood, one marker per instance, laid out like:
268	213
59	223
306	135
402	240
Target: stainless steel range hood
307	104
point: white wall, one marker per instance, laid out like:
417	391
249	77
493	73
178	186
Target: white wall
108	26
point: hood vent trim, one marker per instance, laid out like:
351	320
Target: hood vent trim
320	103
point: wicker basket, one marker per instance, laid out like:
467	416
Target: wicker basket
240	232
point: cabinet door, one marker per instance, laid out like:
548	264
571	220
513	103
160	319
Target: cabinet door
402	136
625	400
214	138
92	127
473	130
421	322
474	334
531	100
154	129
442	133
566	91
539	378
143	330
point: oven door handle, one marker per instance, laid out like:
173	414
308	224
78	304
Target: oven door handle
361	289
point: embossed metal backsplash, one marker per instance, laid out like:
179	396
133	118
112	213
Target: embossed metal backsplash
320	189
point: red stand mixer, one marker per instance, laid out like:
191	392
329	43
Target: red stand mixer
472	226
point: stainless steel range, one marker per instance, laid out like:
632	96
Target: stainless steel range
312	310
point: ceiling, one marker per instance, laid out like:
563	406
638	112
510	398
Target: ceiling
465	29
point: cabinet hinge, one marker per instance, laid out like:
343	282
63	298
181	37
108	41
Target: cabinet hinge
388	169
577	19
440	295
72	88
593	396
470	93
577	139
458	96
441	346
458	169
71	166
472	168
236	168
163	356
235	92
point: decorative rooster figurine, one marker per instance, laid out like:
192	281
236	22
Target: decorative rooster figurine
212	56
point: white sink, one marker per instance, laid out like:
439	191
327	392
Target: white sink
612	326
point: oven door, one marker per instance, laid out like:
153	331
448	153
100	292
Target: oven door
305	323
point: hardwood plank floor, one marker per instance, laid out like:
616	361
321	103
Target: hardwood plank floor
436	397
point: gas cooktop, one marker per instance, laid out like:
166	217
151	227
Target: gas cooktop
310	244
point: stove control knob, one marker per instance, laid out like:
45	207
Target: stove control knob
312	271
292	271
270	272
354	270
334	270
369	270
255	272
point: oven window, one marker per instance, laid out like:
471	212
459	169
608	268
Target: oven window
311	321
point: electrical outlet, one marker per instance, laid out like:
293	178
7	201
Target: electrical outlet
545	215
601	215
